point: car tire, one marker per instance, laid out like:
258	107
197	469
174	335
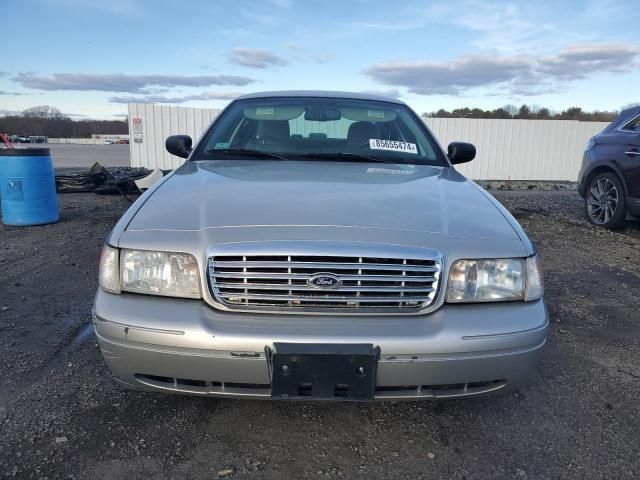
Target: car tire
605	201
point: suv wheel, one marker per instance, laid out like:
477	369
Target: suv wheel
605	201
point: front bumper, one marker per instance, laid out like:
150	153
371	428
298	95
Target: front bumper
185	346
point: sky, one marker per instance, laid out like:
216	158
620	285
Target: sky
90	58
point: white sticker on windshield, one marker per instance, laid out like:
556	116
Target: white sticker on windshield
377	144
260	111
375	114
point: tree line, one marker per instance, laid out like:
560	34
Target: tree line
527	112
50	122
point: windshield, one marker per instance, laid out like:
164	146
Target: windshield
320	128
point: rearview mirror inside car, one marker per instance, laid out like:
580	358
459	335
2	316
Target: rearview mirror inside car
179	145
322	115
461	152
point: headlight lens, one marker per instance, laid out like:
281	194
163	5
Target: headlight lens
109	277
160	273
487	280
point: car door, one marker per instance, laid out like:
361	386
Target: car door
629	155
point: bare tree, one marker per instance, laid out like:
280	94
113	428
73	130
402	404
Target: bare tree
511	109
49	121
43	111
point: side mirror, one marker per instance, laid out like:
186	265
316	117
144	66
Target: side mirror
461	152
179	145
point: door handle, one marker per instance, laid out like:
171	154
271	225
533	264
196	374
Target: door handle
633	152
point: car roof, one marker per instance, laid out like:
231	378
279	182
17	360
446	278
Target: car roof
629	113
321	94
625	116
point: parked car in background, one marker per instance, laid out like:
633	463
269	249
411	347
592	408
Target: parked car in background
109	142
609	180
122	141
319	245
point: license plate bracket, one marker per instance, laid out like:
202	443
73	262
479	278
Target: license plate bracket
312	371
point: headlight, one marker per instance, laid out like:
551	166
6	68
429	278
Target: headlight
160	273
486	280
109	277
496	280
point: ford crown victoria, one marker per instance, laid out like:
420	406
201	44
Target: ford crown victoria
319	245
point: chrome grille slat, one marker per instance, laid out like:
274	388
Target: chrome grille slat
320	298
305	276
325	266
286	287
279	282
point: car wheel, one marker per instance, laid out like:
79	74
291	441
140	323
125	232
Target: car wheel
605	201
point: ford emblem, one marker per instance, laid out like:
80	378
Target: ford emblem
324	280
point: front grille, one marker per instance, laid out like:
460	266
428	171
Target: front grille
281	282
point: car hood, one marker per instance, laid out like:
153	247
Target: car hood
242	193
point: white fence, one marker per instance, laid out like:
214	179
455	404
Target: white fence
519	149
150	125
507	149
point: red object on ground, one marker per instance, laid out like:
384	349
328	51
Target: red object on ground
5	140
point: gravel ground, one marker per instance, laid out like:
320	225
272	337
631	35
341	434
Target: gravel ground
62	417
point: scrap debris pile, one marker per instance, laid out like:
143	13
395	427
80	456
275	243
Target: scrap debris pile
101	180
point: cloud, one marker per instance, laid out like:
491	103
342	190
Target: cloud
450	78
13	94
182	99
580	61
4	112
385	92
123	83
506	27
498	26
3	74
514	74
256	58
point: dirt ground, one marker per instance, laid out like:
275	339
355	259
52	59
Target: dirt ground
62	417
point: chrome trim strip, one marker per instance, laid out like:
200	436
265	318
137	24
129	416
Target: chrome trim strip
135	327
507	334
321	265
306	288
304	276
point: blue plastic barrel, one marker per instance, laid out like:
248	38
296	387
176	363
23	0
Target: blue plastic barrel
27	187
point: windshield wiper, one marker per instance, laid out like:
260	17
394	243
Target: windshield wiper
350	157
248	153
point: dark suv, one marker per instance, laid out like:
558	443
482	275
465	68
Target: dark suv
609	180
